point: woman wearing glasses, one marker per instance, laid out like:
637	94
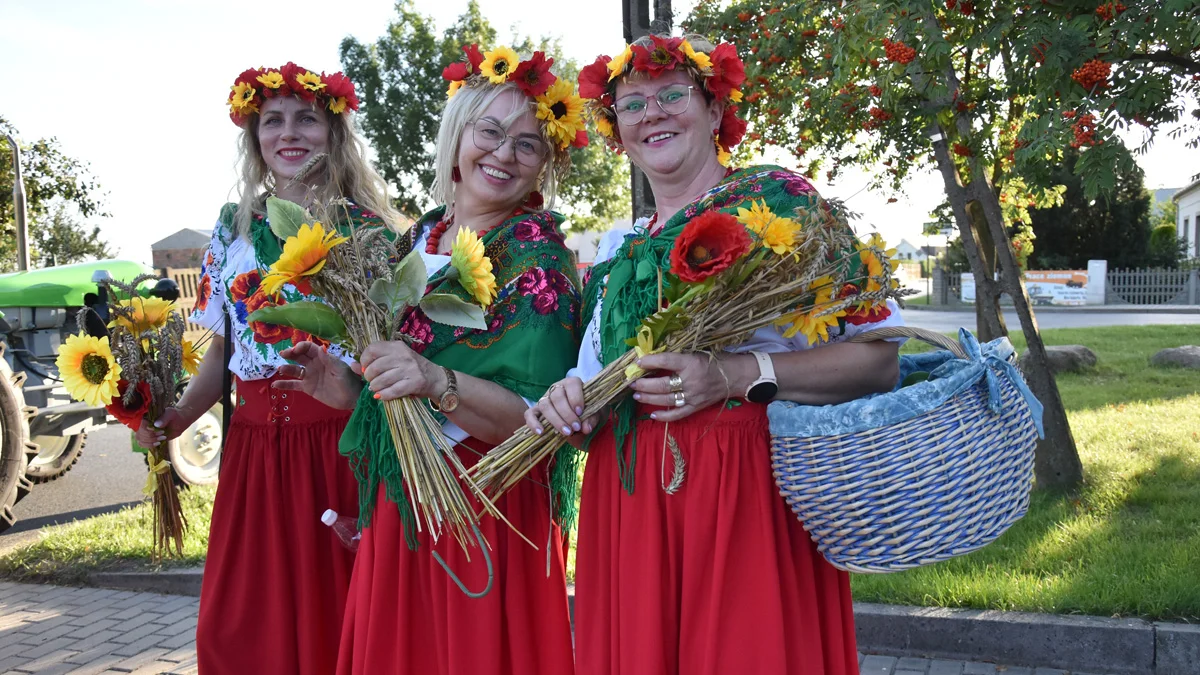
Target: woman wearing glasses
501	149
689	561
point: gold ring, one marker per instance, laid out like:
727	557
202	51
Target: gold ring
676	382
680	399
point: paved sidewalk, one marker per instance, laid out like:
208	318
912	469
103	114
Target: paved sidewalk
52	630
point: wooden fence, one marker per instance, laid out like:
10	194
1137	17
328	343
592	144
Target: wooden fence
1152	287
188	279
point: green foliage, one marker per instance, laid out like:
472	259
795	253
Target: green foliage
1114	227
1167	248
406	286
453	311
286	217
310	316
55	186
403	93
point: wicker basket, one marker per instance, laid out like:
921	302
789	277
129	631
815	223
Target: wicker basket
930	484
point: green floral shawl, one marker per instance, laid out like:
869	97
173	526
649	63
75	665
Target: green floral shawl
531	341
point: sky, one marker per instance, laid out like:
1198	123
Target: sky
137	89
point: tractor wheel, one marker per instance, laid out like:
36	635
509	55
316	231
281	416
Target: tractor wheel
14	441
54	456
196	455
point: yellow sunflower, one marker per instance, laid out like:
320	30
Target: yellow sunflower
563	112
870	258
474	268
757	218
242	102
780	235
88	369
723	155
617	66
140	315
191	358
310	81
699	58
454	87
303	256
337	105
603	126
736	96
272	79
498	64
815	328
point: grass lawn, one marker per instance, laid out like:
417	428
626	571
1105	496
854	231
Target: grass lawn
1126	544
67	553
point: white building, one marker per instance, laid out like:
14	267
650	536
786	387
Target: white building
906	252
1187	220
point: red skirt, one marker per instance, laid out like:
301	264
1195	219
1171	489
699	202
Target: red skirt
717	578
275	578
406	616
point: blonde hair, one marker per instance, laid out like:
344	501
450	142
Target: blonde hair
467	106
346	173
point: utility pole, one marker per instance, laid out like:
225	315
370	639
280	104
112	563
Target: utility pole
637	24
20	210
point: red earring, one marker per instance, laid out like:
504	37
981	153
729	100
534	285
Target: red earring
456	175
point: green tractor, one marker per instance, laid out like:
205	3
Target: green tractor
42	431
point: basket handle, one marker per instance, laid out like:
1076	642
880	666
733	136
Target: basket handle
934	338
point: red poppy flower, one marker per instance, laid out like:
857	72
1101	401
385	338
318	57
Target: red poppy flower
733	128
581	139
292	71
339	86
474	56
533	76
728	71
456	72
708	245
131	415
245	285
868	315
203	293
665	55
266	333
593	79
250	77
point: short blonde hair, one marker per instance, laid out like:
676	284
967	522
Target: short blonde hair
346	173
467	106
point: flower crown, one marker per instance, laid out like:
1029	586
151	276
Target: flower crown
256	85
721	72
557	104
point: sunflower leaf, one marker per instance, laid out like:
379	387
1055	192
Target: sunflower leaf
406	286
286	217
453	311
315	318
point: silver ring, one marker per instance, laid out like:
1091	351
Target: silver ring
302	371
680	399
676	382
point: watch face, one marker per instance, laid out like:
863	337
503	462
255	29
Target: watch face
449	402
762	392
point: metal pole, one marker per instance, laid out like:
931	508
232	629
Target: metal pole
636	19
20	215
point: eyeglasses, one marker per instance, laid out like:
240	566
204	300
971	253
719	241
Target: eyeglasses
672	100
489	137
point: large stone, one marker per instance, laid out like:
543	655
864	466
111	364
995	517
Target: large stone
1063	359
1187	356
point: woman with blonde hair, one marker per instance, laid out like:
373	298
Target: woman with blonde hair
415	604
275	579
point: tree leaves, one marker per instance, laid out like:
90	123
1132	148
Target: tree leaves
286	217
452	310
315	318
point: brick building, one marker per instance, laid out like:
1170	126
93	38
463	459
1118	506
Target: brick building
182	249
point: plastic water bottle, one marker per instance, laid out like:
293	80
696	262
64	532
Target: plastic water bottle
344	527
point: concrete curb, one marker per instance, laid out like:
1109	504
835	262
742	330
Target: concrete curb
1076	643
1083	309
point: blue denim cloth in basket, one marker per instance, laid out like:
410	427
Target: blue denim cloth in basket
948	376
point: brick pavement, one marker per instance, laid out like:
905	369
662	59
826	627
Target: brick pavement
53	630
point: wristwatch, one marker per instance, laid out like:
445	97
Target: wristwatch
449	399
765	387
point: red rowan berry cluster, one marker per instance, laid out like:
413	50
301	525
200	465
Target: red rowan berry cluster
898	51
1085	132
1109	10
1092	74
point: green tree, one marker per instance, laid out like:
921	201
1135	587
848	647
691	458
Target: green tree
400	76
1113	227
55	184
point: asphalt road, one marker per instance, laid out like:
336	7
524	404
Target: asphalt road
946	322
107	477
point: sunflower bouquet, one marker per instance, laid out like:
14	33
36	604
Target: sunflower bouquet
367	294
729	277
132	371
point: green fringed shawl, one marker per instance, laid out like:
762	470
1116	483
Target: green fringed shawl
628	282
531	342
